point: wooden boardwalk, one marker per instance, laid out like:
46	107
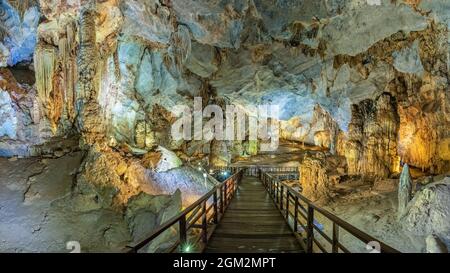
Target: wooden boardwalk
252	223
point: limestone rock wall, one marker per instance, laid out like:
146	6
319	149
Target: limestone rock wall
22	124
364	80
18	24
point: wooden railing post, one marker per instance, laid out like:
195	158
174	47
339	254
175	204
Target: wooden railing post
269	182
274	189
281	197
232	188
225	197
335	246
287	202
222	207
183	232
310	230
216	209
296	214
204	224
272	185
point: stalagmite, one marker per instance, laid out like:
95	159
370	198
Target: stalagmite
219	154
314	180
404	191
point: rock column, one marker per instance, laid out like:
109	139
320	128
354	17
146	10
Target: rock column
89	117
404	191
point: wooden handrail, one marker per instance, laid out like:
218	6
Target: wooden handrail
284	196
220	200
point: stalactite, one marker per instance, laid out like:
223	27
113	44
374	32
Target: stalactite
353	147
67	46
3	32
45	63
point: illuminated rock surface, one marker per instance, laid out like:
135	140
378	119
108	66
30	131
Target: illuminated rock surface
319	175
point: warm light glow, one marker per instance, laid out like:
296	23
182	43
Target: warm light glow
187	248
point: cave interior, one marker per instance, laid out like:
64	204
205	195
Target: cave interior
114	114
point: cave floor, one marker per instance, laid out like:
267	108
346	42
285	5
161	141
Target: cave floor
374	211
288	154
34	215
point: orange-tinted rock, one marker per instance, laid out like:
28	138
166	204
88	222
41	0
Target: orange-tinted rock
151	160
372	146
318	176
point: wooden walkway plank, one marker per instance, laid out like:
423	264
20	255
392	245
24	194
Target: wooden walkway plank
252	224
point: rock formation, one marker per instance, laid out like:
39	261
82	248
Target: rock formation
145	212
404	190
435	245
18	24
318	176
427	213
219	154
165	57
371	149
87	105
